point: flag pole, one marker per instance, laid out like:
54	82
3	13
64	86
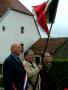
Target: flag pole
47	42
34	17
43	55
37	27
53	7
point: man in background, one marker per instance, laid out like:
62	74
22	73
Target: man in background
47	83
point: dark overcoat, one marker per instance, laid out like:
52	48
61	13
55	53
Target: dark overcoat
13	74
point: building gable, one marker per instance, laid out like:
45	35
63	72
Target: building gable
16	5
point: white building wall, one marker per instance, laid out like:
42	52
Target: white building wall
13	22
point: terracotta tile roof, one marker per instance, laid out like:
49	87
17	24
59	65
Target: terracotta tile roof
16	5
13	4
4	4
53	44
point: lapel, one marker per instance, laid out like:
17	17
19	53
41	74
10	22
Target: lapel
17	63
30	64
16	58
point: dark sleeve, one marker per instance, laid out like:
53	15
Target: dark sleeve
8	75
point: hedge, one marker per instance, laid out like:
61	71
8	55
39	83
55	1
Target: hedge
1	82
59	73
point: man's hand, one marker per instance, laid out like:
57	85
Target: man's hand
40	67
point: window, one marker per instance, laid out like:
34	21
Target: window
38	59
22	29
22	46
3	28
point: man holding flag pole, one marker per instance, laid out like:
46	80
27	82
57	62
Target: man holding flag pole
45	13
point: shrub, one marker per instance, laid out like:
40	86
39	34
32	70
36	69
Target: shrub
59	73
1	82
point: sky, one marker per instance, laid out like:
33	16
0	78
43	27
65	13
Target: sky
60	26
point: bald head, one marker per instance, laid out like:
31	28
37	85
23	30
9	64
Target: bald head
16	49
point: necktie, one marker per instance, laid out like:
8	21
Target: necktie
18	59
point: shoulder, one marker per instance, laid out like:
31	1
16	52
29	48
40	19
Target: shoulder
26	64
34	64
8	60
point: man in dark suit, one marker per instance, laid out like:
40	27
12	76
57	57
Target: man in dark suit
47	83
14	74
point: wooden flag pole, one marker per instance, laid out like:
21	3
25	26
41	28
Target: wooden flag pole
43	55
47	41
52	7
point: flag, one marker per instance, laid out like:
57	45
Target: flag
41	16
46	13
51	10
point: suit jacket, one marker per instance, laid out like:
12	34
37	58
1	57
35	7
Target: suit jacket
13	74
47	83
